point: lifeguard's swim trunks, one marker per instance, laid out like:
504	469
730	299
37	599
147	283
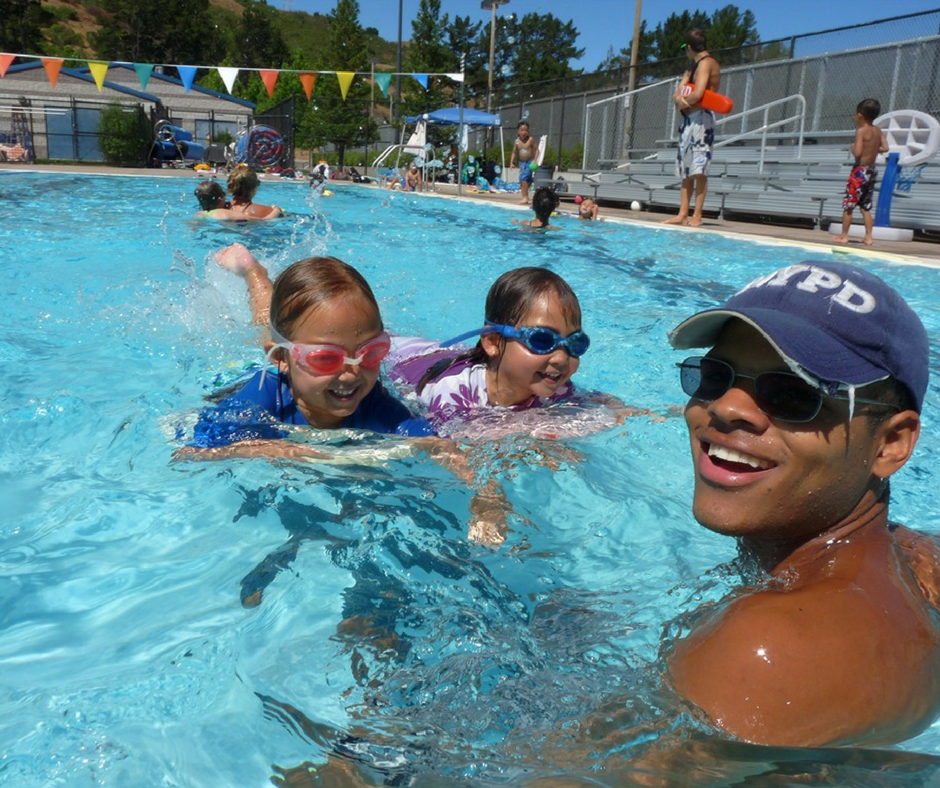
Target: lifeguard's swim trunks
860	188
696	139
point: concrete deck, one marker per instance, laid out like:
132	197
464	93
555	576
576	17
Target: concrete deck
917	251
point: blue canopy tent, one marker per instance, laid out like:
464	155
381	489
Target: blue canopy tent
462	117
465	118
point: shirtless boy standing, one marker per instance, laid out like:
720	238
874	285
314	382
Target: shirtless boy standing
869	142
526	148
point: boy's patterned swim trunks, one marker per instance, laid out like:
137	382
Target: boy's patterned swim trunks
860	188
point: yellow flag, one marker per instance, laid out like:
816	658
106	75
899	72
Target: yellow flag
345	80
98	70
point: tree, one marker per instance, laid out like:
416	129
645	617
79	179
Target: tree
543	48
125	135
670	35
463	37
623	57
258	40
21	26
158	31
428	53
343	123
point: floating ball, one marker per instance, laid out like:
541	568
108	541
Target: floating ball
578	200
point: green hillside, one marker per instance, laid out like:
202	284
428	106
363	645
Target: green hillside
70	28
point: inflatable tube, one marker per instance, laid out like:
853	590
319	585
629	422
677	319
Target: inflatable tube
171	133
259	146
713	101
164	149
192	150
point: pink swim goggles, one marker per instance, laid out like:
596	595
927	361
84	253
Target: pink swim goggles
330	359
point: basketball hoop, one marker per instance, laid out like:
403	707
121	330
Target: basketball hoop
907	177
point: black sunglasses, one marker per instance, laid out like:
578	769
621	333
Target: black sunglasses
780	395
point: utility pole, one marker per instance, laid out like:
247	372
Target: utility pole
491	5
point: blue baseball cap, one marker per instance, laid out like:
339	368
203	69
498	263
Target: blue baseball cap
837	325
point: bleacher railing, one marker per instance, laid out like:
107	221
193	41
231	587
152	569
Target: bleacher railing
768	125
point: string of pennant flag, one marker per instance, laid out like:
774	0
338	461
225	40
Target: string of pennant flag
187	74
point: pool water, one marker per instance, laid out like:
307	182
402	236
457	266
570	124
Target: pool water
383	637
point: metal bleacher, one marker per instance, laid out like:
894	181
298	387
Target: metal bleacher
780	185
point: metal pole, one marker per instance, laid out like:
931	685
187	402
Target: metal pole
635	46
398	69
489	89
631	83
463	71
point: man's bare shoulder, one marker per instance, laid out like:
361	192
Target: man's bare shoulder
922	553
813	666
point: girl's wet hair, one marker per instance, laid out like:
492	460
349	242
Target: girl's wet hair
209	193
243	182
544	202
509	300
309	283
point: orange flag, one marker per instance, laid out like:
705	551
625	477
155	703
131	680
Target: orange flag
52	66
5	61
345	80
308	80
270	79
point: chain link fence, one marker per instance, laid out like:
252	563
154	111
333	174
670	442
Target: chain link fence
896	60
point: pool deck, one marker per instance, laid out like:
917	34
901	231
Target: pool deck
916	252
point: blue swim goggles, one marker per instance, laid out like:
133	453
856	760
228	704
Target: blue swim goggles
536	339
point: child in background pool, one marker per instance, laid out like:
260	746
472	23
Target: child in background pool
587	208
211	198
242	184
327	341
544	204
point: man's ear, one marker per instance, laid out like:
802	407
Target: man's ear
897	436
492	344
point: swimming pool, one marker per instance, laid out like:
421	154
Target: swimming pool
383	635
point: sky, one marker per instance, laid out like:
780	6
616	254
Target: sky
605	23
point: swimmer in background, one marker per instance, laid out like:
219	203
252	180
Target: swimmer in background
868	143
544	203
587	208
242	184
211	198
527	150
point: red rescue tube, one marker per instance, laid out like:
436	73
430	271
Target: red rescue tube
713	101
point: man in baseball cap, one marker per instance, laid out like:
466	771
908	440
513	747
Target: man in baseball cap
807	402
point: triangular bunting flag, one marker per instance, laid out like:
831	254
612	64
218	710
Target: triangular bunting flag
52	66
5	61
144	70
308	80
270	80
383	81
422	80
456	77
187	75
228	74
98	71
345	80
